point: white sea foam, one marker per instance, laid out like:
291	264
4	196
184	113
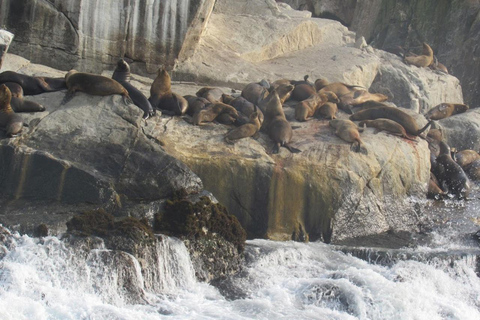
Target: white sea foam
281	280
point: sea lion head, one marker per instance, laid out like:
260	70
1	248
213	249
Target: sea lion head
5	96
331	96
122	66
320	83
69	73
427	50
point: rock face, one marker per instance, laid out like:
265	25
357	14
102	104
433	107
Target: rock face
89	35
450	27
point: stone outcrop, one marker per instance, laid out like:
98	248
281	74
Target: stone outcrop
450	27
90	35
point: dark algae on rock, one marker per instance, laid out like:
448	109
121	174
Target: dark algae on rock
182	218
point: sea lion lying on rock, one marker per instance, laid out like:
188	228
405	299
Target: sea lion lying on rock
349	132
18	102
307	108
33	85
212	111
249	129
423	60
386	125
445	110
212	94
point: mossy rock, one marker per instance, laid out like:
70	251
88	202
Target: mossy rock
102	224
182	218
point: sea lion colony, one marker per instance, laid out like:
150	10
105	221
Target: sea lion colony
259	107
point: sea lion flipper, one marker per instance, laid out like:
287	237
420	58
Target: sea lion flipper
276	148
292	149
69	96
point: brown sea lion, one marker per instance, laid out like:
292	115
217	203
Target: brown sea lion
18	102
331	96
341	89
33	85
438	66
275	84
284	92
465	157
227	98
244	131
245	109
276	125
320	84
386	125
212	94
435	134
122	75
195	104
307	108
450	174
303	91
348	131
10	122
93	84
392	113
255	93
445	110
473	170
162	97
212	111
423	60
327	111
356	97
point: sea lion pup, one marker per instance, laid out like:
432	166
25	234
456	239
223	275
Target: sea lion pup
18	103
162	97
255	93
303	91
326	111
348	131
276	125
212	94
244	131
10	122
122	75
212	111
245	109
386	125
445	110
93	84
392	113
423	60
33	85
195	104
449	173
465	157
307	108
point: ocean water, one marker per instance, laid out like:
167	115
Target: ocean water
47	279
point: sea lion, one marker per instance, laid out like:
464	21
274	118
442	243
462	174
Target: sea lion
122	75
356	97
434	190
93	84
348	131
275	84
423	60
245	109
450	174
303	91
435	134
227	98
255	93
473	170
276	125
244	131
307	108
320	84
392	113
445	110
341	89
386	125
212	94
212	111
195	104
18	102
10	122
436	65
465	157
33	85
327	111
162	97
284	92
